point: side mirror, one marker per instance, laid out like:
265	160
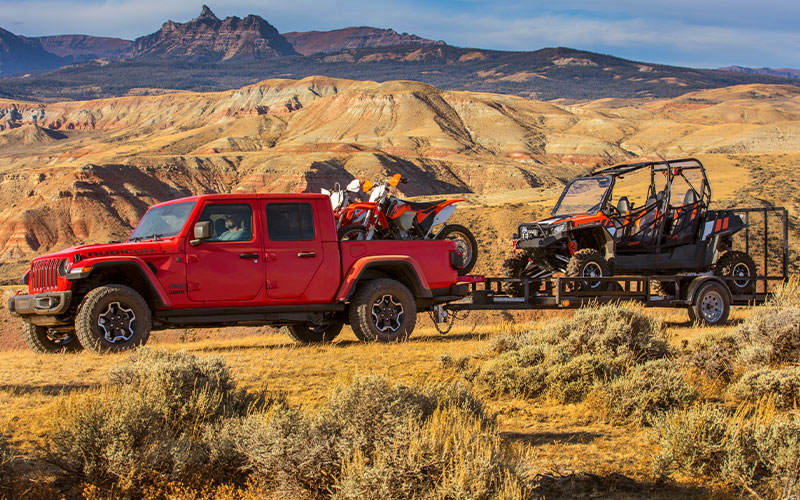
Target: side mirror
202	231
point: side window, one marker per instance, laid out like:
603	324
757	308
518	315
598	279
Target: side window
290	221
229	221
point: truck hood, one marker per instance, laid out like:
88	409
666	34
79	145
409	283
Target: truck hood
138	248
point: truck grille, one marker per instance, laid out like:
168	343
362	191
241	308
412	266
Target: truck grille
44	275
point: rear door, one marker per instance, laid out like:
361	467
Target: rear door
294	248
228	266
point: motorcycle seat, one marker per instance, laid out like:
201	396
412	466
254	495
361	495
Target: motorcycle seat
419	206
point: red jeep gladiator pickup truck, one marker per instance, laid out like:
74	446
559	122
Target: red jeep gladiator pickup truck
250	259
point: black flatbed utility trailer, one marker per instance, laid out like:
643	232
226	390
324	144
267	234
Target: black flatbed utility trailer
706	296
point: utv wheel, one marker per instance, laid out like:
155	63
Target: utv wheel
515	267
588	263
465	244
353	232
711	305
112	318
45	340
314	334
741	267
383	310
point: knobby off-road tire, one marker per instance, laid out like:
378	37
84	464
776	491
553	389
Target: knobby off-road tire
514	267
383	310
113	318
738	265
589	262
352	232
314	334
711	305
465	242
42	339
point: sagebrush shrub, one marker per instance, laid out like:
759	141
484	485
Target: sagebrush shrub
782	384
752	445
567	357
5	463
714	353
151	424
451	454
301	454
648	390
771	335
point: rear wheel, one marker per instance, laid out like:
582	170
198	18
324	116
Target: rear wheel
353	232
383	310
741	267
46	340
310	333
588	263
465	244
112	318
711	305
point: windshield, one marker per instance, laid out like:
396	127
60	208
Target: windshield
583	196
163	221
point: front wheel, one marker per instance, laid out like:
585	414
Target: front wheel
314	333
112	318
383	310
465	242
46	340
591	264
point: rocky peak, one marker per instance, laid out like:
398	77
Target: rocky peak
207	14
207	38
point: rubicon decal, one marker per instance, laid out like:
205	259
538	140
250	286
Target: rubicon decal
127	251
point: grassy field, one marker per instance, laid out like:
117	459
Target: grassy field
570	449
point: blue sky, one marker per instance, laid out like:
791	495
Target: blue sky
699	33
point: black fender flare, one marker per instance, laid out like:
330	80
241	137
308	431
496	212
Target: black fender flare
157	292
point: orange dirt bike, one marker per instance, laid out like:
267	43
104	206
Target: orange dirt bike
389	218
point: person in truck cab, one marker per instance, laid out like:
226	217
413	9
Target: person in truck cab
234	229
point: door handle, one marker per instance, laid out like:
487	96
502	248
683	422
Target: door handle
248	255
307	255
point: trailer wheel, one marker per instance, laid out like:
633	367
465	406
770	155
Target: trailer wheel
310	333
711	305
45	340
383	310
112	318
741	267
589	263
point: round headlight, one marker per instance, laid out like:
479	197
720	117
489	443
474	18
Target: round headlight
62	268
558	228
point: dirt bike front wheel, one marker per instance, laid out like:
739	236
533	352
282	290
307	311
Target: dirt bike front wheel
465	242
353	232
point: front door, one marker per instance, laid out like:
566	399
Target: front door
293	248
228	266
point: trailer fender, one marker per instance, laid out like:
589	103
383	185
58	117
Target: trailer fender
699	281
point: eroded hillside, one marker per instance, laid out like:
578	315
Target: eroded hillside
83	171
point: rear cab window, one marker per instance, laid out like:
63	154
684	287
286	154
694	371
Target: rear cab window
290	221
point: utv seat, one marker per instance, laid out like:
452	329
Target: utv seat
641	232
687	220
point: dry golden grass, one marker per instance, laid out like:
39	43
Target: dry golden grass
558	439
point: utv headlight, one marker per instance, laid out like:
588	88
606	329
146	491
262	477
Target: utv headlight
559	228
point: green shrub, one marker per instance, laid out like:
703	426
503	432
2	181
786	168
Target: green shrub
648	390
571	381
770	335
782	384
778	448
154	423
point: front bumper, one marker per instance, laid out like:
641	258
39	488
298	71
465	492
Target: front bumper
40	304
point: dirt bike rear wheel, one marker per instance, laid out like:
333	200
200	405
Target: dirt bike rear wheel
465	243
353	232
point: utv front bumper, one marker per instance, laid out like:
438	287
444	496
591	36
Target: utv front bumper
40	304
